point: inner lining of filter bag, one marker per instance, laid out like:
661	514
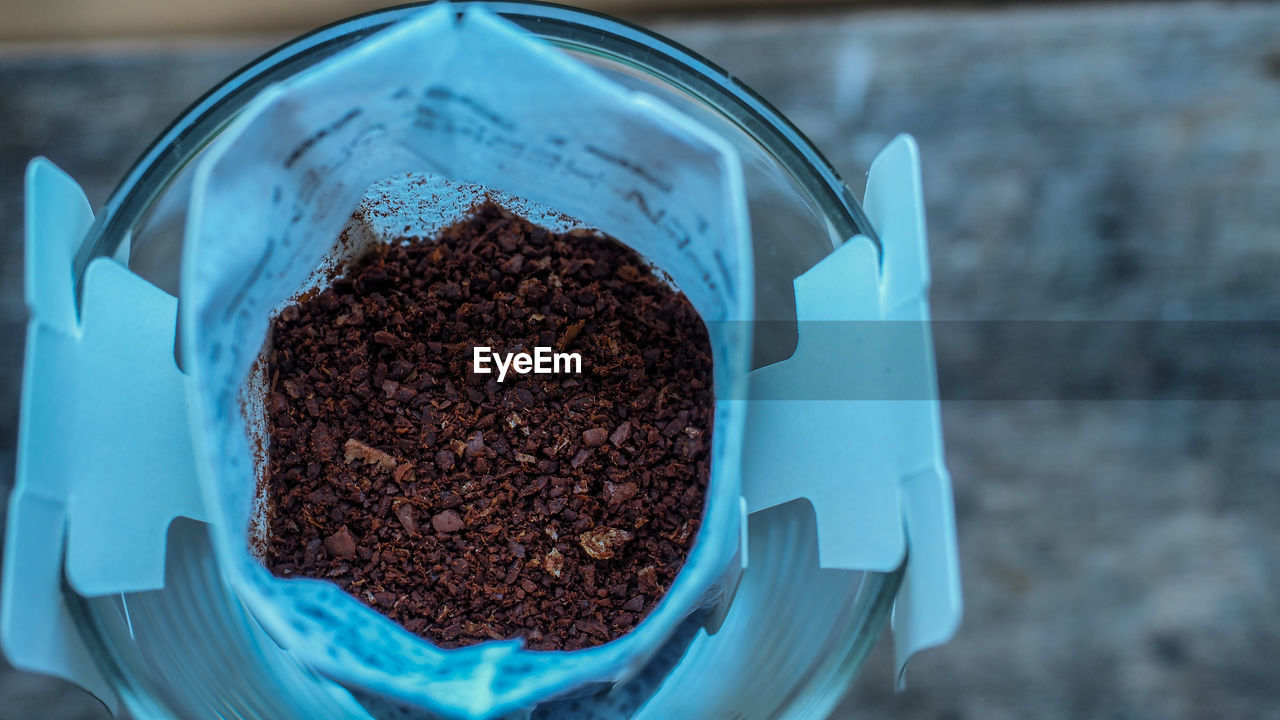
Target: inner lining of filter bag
415	205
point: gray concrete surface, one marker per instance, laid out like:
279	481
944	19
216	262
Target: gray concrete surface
1081	163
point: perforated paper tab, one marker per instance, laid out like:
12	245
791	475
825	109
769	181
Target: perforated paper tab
850	422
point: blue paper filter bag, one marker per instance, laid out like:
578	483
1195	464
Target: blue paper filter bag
462	101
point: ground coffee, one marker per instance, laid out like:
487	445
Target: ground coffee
553	507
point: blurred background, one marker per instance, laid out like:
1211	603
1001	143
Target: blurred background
1102	172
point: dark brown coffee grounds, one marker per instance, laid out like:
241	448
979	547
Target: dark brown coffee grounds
553	507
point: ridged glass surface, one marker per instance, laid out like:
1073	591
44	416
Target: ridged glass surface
191	651
793	638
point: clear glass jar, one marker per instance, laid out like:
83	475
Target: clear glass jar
796	635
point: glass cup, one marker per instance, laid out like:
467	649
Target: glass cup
795	636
